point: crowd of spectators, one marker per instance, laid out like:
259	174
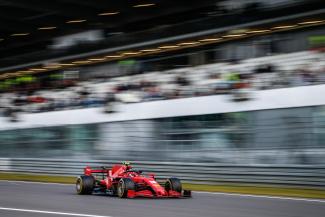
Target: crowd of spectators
165	85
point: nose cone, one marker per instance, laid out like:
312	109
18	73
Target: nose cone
162	192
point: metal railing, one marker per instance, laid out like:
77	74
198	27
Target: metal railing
206	173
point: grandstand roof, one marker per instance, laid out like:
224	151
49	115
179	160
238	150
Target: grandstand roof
28	28
31	24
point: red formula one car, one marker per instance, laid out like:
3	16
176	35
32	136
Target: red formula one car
124	182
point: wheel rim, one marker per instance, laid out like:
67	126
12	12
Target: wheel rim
78	186
120	189
168	186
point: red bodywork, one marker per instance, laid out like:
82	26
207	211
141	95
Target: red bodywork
146	186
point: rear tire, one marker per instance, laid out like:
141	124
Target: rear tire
85	185
123	186
173	184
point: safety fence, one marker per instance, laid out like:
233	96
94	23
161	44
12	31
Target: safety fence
207	173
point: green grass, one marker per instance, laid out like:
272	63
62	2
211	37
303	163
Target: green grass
37	178
233	188
261	190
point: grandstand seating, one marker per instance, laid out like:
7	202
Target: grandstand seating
200	82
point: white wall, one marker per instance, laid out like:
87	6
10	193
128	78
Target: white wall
266	99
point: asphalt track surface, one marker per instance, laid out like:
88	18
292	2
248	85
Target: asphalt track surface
23	199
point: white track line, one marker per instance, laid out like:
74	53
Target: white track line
50	212
263	196
200	192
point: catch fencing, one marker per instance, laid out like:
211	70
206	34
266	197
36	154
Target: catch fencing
207	173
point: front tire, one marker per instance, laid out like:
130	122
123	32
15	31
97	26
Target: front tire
85	185
173	184
123	186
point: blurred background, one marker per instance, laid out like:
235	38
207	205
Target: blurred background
233	86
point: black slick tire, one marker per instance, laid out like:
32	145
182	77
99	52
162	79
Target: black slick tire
123	186
173	184
85	185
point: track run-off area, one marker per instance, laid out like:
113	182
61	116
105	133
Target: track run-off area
27	199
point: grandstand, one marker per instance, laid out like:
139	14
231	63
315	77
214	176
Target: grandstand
200	81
